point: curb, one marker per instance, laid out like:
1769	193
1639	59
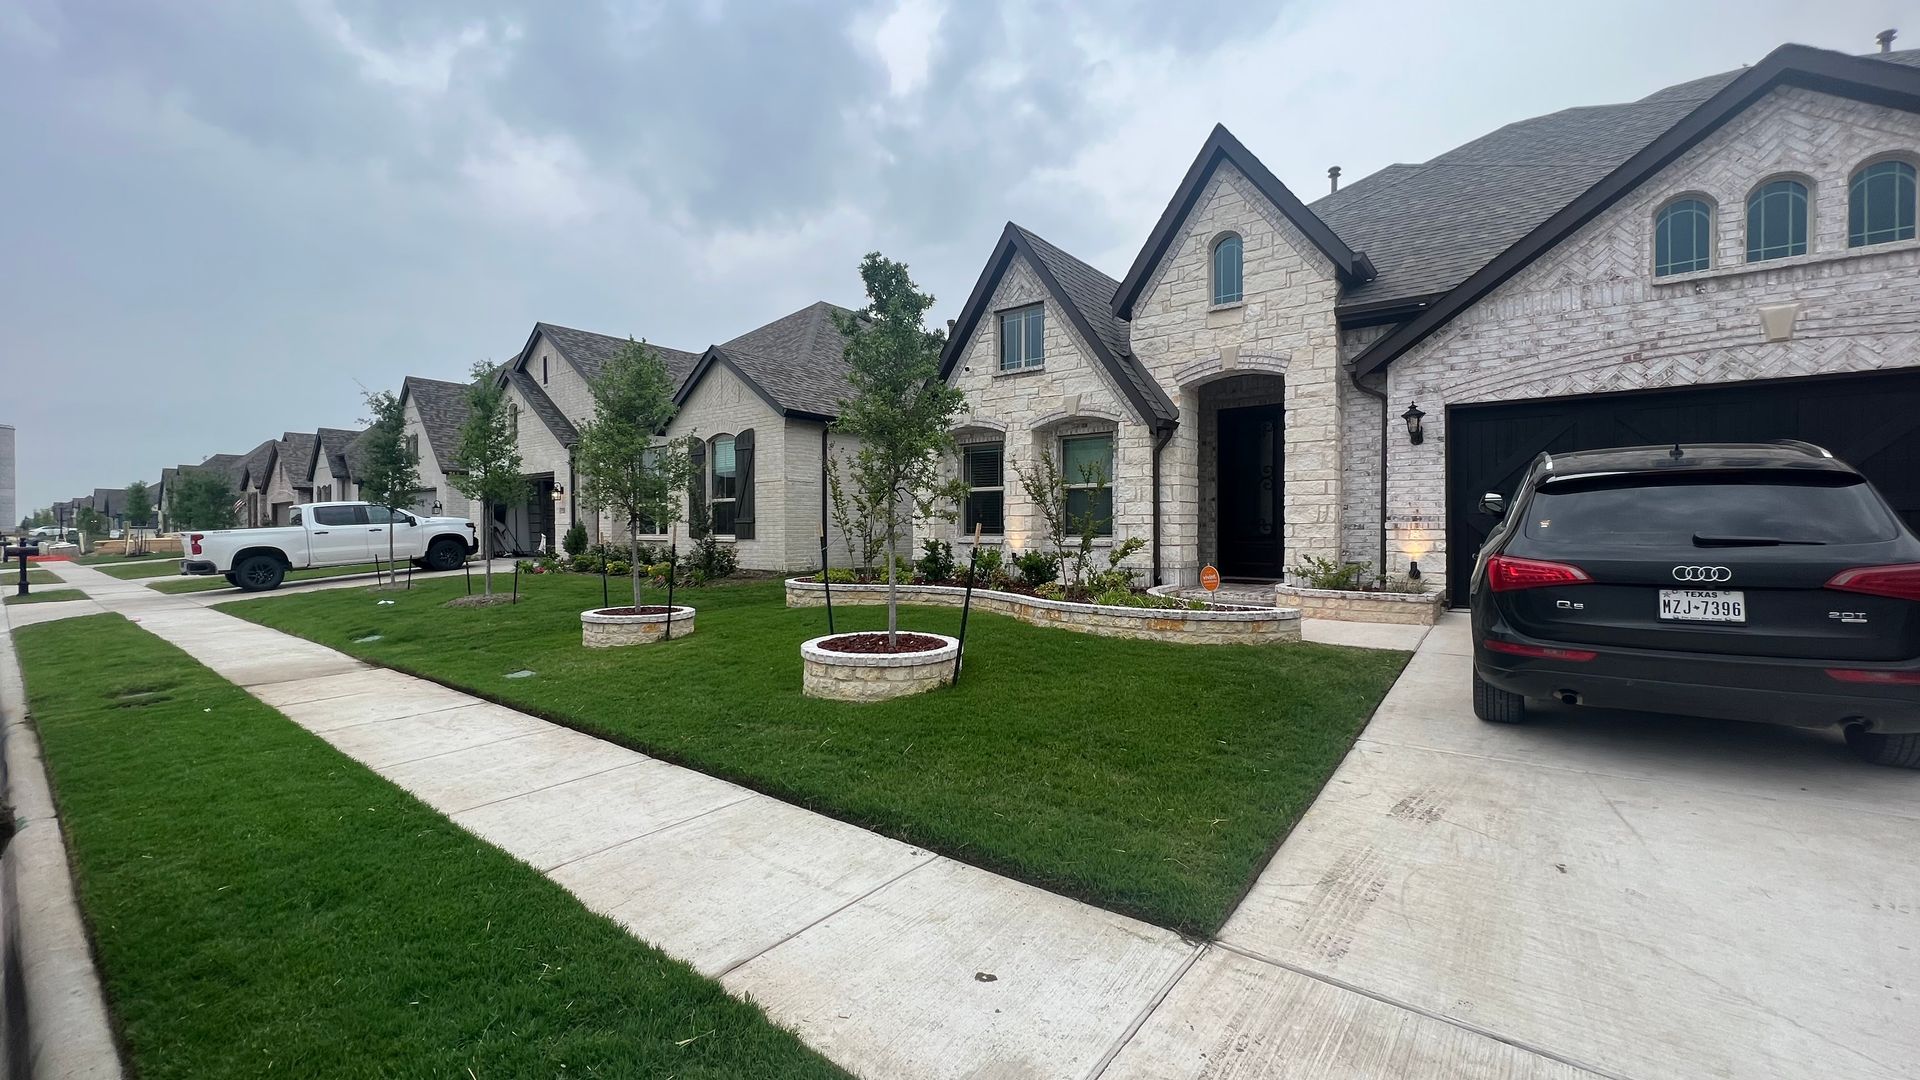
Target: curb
56	1020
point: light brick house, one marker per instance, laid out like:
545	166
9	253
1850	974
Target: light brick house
1732	258
434	410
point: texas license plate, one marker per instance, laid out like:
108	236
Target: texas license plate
1703	605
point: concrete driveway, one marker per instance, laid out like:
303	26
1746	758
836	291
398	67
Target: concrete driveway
1635	896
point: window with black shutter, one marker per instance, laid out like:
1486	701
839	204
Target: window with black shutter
743	485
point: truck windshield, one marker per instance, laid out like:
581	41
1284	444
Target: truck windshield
1710	510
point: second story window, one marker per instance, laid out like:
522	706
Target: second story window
413	447
1777	220
543	371
1226	270
1022	338
1683	237
1880	204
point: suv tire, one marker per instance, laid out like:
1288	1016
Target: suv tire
1497	706
1900	751
259	573
445	553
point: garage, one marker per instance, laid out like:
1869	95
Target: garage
1871	421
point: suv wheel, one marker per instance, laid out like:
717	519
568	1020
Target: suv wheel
446	553
1497	706
259	573
1902	751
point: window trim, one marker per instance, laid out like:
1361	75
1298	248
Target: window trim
1807	189
1024	312
966	502
1240	270
1072	484
1893	157
1710	252
713	474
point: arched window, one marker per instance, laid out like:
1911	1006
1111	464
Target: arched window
1777	220
1683	237
1226	270
1880	204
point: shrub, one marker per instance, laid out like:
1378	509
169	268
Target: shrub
1115	576
1407	585
988	564
1036	567
619	567
1321	573
1126	597
583	563
575	541
838	576
937	562
710	559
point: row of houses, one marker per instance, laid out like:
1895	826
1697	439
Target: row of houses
1274	380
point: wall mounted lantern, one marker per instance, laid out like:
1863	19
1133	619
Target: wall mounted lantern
1413	416
436	508
559	492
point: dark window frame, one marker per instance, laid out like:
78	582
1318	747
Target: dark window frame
1030	340
1698	211
1079	490
1217	280
983	495
1897	173
1777	204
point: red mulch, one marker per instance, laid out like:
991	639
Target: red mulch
877	643
650	609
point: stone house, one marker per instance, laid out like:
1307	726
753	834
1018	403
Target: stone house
327	475
1274	381
435	409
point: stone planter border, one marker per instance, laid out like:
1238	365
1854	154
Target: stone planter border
1208	627
599	631
839	676
1408	609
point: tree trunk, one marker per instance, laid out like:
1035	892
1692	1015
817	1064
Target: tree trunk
486	547
633	537
893	595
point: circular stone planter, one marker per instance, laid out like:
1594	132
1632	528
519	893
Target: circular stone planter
599	630
840	676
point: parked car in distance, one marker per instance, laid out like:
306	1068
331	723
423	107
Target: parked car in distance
1766	582
328	534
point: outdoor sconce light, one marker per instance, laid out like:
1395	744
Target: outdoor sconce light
1413	570
559	492
436	508
1413	416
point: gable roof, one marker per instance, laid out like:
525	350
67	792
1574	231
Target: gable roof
1352	266
443	408
228	466
1087	297
588	352
296	453
797	363
253	469
542	405
332	443
108	501
1608	151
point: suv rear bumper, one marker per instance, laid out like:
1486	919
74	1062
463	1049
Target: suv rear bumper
1767	691
197	566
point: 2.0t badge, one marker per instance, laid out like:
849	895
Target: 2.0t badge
1702	573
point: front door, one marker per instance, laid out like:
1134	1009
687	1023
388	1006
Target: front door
1249	495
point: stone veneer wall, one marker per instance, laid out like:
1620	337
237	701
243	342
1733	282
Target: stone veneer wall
1590	318
1212	627
875	676
1412	609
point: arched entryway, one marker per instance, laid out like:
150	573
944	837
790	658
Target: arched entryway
1241	464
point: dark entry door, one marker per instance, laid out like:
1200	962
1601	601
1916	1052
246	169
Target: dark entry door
1870	421
1250	492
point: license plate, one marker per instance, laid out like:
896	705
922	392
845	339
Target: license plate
1703	605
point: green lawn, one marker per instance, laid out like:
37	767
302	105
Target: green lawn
106	559
208	584
263	906
35	576
133	569
1150	778
45	596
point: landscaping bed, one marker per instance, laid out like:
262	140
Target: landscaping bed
1150	779
1362	605
261	905
1182	621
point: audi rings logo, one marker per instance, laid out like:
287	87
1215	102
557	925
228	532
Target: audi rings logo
1702	573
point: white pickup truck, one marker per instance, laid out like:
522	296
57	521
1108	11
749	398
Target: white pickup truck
328	534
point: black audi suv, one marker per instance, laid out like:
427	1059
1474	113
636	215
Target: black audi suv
1747	581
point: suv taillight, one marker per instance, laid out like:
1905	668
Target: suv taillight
195	539
1506	573
1902	581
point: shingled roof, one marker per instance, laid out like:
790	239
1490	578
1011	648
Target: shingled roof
333	443
542	405
253	470
797	363
589	352
296	451
443	408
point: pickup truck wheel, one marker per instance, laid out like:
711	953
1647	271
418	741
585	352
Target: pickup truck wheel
232	578
446	553
259	573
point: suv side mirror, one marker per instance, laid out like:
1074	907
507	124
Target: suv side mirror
1493	503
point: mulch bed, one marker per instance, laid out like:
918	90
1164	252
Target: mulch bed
876	644
650	609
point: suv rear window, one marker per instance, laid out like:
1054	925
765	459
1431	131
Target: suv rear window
1669	510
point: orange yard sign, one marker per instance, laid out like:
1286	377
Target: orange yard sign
1209	578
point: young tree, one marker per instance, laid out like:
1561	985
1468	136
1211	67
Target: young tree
901	411
139	512
489	451
91	525
203	499
392	471
624	466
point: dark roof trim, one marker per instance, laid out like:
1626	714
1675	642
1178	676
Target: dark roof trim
1156	414
1353	316
1351	265
715	355
1895	86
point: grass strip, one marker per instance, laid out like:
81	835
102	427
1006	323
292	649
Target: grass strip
318	573
1153	779
44	596
261	905
135	569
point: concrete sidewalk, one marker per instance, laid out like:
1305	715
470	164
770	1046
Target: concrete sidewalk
894	962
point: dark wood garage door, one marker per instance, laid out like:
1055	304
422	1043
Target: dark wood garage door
1870	421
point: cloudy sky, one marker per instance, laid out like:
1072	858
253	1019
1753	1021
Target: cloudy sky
220	221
